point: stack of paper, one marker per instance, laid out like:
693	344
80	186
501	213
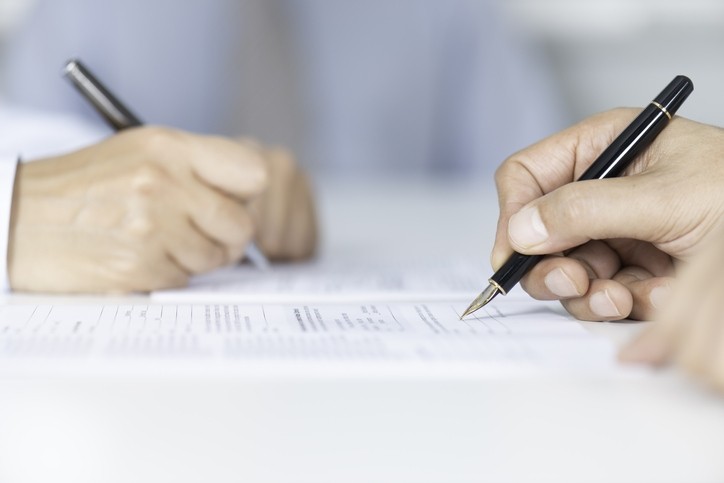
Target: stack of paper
506	332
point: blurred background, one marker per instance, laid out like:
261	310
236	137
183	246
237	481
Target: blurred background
442	87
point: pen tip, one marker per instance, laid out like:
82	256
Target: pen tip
481	300
468	311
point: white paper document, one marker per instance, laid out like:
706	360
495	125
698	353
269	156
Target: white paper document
509	332
335	282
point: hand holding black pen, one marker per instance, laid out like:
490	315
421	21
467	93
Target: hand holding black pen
612	162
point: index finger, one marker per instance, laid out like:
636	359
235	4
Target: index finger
234	168
548	165
230	166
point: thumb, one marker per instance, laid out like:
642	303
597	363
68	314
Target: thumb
586	210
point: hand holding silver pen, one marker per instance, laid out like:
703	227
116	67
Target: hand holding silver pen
120	117
149	207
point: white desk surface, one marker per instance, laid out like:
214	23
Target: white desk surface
395	428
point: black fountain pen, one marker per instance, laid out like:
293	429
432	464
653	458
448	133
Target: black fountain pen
611	163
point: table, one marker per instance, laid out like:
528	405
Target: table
390	427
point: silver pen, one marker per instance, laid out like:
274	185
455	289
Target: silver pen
120	117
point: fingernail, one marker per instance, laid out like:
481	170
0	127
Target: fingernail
497	259
602	305
560	284
659	296
526	228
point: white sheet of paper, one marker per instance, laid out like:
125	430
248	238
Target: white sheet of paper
392	281
505	333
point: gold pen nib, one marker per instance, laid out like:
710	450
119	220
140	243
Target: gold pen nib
481	300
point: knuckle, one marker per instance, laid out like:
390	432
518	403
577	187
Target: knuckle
570	204
128	267
140	226
148	179
502	173
156	141
510	168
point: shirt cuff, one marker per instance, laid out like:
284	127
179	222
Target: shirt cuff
8	165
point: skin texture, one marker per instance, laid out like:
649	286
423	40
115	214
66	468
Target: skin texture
150	207
689	332
614	242
632	232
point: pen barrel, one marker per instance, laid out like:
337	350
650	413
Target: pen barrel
629	144
112	110
641	132
513	270
674	94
